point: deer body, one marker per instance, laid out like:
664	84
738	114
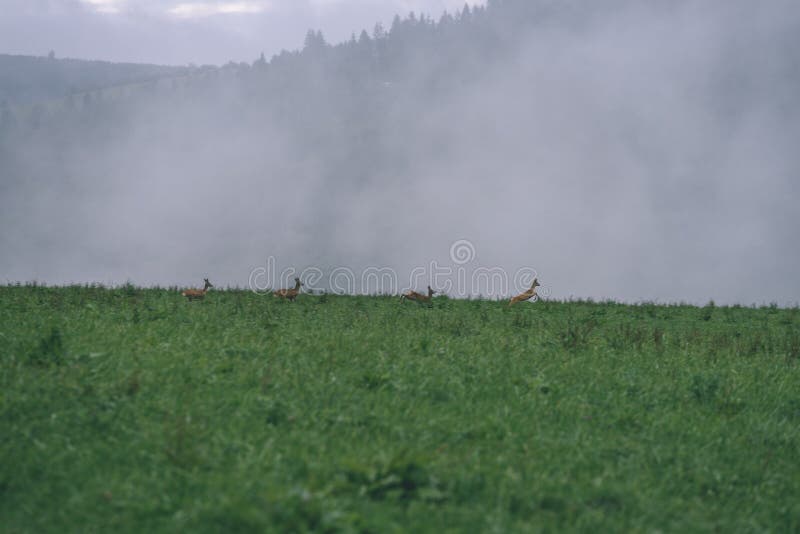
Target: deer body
197	294
418	297
289	294
529	294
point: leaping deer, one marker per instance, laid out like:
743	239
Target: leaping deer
197	294
528	294
289	294
418	297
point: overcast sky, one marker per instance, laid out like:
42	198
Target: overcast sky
190	31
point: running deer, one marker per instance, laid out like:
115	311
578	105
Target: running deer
528	294
289	294
197	294
418	297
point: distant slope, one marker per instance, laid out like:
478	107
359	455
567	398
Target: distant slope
27	79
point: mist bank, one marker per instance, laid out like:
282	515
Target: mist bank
619	151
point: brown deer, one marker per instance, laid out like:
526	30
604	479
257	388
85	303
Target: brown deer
289	294
197	294
528	294
418	297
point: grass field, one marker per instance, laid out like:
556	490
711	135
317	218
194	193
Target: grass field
133	410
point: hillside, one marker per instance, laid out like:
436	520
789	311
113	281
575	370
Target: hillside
29	79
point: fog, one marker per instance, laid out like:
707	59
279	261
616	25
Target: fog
622	151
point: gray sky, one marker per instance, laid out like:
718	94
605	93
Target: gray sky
183	31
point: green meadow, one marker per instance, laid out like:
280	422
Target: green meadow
133	410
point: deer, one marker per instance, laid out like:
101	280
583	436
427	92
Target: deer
198	294
528	294
289	294
418	297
